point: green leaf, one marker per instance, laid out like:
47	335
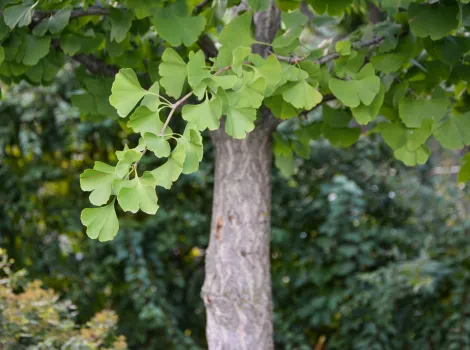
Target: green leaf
251	92
192	142
343	47
70	44
237	32
335	127
173	72
412	158
341	137
434	20
152	99
413	112
126	92
365	114
239	121
205	115
33	49
175	25
302	95
352	92
280	108
99	181
157	144
259	5
143	120
408	143
293	19
56	23
239	56
19	15
454	133
285	164
101	223
270	69
197	70
287	38
334	8
126	159
121	22
464	173
169	172
139	193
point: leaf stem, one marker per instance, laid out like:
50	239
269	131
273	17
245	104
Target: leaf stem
183	99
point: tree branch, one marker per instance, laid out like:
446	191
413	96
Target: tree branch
332	56
95	65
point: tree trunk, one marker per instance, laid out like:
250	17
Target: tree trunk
237	286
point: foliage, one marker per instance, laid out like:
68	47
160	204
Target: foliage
327	286
366	253
36	319
407	92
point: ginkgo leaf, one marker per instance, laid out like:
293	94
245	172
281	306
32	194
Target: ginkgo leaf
454	133
157	144
33	49
239	56
464	173
173	72
365	114
19	15
175	25
302	95
259	5
99	181
408	143
144	120
334	8
126	159
196	68
251	92
192	142
237	32
226	82
139	193
413	112
270	69
341	137
287	38
56	23
126	92
293	19
101	223
121	22
411	158
434	20
205	115
354	92
152	99
240	121
336	128
280	108
169	172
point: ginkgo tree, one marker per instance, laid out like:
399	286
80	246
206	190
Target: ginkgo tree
258	76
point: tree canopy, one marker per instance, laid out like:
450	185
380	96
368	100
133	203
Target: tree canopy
408	66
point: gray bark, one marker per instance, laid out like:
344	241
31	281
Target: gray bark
237	287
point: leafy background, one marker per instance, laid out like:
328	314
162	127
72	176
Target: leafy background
366	253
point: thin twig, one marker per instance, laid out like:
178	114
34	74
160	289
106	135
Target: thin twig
332	56
173	109
183	99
